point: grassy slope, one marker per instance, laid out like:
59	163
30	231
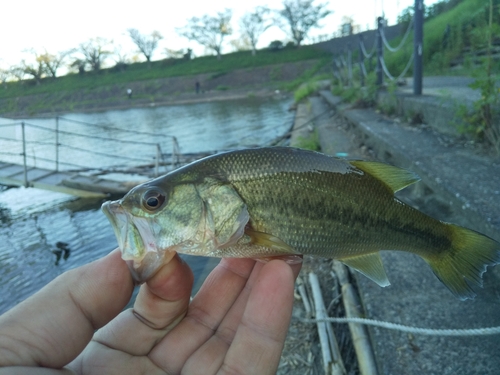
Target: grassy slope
434	30
162	69
433	34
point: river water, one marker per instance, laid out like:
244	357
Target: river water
32	221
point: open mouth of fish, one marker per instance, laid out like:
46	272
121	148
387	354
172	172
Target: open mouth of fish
136	242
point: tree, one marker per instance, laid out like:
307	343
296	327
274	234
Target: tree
17	72
300	16
35	68
145	43
94	52
121	59
4	76
254	24
241	44
209	31
173	53
79	65
52	63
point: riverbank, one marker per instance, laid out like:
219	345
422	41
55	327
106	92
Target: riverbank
459	185
253	82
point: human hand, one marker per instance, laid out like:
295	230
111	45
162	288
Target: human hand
237	323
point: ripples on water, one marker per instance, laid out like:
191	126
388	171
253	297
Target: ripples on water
198	127
32	221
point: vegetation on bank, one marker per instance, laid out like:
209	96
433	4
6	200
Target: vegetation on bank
460	37
452	39
463	39
162	69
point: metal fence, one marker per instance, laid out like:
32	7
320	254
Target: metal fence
108	147
343	63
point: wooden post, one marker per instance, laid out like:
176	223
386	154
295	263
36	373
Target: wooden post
332	361
359	333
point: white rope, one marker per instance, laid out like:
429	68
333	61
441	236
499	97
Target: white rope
363	49
386	43
409	329
405	70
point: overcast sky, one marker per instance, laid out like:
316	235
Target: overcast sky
57	25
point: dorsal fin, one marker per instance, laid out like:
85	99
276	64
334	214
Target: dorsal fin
369	265
395	178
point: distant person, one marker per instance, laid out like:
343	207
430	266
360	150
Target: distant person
197	86
129	93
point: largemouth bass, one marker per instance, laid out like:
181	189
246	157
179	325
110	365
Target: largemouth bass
278	201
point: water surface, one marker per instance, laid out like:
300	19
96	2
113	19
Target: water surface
32	221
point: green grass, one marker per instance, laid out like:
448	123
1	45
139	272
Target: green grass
311	142
435	59
163	69
304	91
312	74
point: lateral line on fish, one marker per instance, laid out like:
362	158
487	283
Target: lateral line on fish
410	329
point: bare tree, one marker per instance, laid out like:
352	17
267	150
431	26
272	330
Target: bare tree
173	53
79	65
300	16
4	76
145	43
17	72
121	58
241	44
36	71
209	31
94	52
254	24
54	62
35	68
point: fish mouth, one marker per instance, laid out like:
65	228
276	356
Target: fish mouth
136	241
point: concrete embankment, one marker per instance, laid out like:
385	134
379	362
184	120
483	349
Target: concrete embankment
460	185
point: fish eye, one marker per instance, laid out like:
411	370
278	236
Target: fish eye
153	199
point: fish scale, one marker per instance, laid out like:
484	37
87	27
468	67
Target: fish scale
273	201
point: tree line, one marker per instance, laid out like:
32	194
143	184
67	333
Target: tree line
296	18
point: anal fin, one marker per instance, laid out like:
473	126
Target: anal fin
369	265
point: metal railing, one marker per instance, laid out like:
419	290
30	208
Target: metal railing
74	145
343	68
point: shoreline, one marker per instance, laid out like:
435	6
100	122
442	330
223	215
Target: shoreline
244	83
182	99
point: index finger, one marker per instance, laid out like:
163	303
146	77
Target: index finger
160	304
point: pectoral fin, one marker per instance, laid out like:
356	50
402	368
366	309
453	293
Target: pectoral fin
268	240
369	265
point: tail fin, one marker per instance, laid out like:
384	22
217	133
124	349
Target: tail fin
465	261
